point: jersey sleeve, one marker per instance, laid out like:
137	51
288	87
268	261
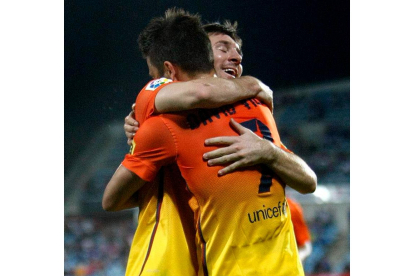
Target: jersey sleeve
299	225
145	101
153	147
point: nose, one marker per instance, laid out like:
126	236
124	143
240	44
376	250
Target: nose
235	56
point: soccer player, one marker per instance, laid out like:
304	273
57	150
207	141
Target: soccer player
302	234
166	230
247	149
209	201
227	62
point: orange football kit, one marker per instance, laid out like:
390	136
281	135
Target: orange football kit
301	229
242	221
163	243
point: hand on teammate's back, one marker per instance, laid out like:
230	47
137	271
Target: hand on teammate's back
244	150
130	126
266	95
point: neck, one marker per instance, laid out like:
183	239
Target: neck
205	75
186	77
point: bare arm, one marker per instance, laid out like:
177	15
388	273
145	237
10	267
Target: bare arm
203	93
120	192
248	149
210	93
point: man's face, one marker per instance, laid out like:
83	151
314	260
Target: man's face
227	56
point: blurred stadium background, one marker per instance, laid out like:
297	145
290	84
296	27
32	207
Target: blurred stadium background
300	50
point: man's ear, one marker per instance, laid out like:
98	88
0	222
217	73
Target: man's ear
170	70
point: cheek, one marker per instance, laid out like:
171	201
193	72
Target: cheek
218	61
219	57
240	70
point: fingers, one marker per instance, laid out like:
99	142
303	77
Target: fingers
266	96
231	168
238	127
224	159
129	134
271	106
237	161
223	140
130	126
130	120
130	130
129	142
218	153
228	140
133	107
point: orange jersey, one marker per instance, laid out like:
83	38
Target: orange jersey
243	225
145	102
163	243
301	229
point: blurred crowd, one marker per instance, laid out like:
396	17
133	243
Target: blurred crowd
99	246
327	241
316	127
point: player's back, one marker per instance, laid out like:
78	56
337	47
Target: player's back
244	227
163	243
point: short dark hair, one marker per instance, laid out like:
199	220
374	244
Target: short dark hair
226	28
177	37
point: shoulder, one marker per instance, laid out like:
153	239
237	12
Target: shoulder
153	124
158	127
154	137
144	103
154	84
